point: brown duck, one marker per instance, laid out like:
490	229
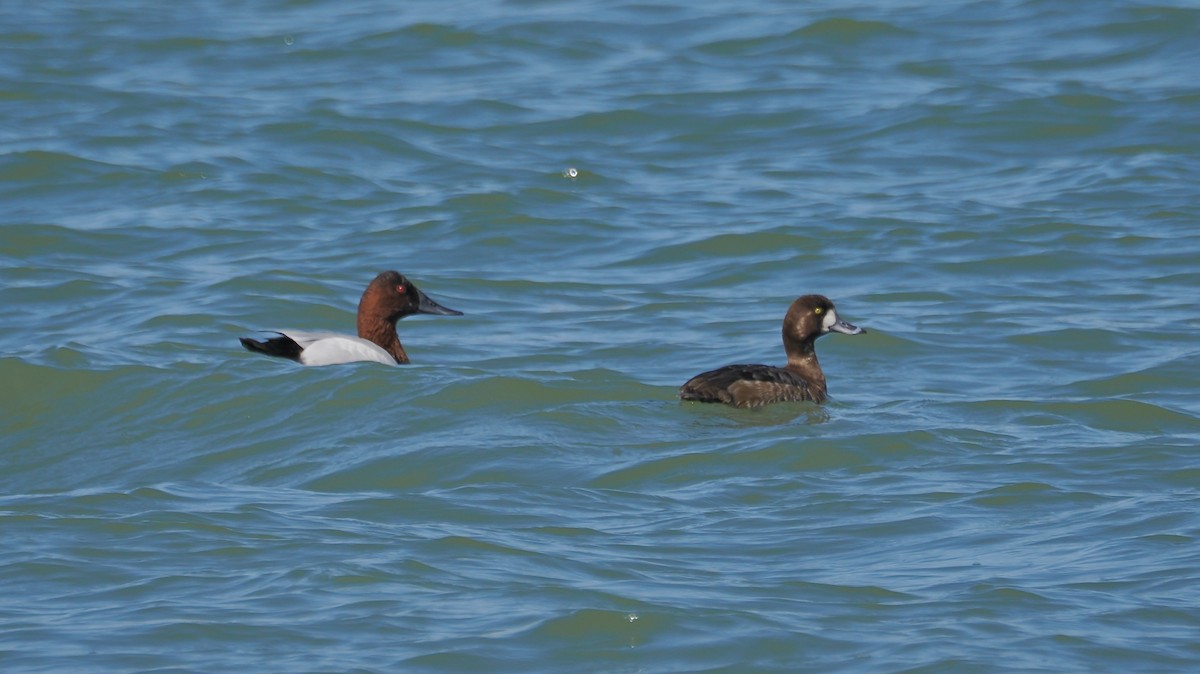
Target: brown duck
809	317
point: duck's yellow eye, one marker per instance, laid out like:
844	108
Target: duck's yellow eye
818	311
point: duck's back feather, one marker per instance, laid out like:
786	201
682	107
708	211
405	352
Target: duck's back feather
749	386
306	338
336	349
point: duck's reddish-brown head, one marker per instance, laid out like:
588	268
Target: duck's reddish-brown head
391	296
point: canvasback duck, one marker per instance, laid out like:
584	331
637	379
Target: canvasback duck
386	300
801	379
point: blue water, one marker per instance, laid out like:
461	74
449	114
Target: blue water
1003	193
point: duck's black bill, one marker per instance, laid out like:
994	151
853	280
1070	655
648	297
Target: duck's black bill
428	306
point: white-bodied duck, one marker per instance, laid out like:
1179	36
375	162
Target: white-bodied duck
386	300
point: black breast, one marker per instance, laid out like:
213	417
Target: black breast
749	386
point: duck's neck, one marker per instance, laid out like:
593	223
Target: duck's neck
383	333
802	359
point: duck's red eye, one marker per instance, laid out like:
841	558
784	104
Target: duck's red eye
400	289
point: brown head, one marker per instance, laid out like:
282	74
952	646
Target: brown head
809	317
388	298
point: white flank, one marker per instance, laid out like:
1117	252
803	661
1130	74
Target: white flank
331	348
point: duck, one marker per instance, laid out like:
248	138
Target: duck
808	318
387	299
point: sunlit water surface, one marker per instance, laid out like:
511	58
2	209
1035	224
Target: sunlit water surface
1003	193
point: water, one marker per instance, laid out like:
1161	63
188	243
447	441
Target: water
1003	193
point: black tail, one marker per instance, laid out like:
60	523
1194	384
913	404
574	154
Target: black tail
280	347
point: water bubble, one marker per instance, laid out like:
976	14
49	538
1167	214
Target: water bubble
631	617
288	40
571	172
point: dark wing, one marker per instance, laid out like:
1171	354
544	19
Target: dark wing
280	347
748	386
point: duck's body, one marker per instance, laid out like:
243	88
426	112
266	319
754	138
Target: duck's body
388	298
321	348
801	379
745	385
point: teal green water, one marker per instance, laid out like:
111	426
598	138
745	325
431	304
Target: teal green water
1004	194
